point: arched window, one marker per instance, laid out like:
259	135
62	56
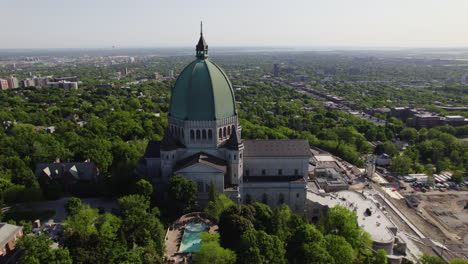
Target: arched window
198	134
182	132
192	134
281	198
224	132
220	133
204	134
229	130
210	134
248	199
176	131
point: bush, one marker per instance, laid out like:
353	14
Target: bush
20	194
27	226
13	194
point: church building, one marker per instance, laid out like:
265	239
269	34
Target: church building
203	143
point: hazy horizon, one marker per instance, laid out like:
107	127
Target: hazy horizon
339	24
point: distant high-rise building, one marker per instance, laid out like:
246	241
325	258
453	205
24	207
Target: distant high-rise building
124	71
64	84
276	70
41	81
68	79
36	81
464	79
171	74
132	60
12	82
156	75
302	78
3	84
28	83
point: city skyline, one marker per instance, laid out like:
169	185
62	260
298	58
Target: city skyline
337	23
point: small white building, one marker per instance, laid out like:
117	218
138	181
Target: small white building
419	177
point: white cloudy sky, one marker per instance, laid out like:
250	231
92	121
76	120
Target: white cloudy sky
306	23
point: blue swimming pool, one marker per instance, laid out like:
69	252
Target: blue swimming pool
191	241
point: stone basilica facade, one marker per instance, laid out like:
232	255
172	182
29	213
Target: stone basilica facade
203	143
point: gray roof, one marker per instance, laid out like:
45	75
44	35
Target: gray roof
277	148
202	158
7	232
377	223
86	171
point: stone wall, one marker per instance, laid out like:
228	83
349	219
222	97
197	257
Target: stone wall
271	166
292	193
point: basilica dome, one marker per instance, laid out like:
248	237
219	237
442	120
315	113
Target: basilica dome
202	91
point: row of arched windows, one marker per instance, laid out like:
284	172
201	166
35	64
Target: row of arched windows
178	131
201	134
225	132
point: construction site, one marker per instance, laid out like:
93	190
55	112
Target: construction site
428	215
437	221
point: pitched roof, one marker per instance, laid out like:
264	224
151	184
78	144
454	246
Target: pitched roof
153	149
234	142
202	158
277	148
7	232
169	142
80	170
202	44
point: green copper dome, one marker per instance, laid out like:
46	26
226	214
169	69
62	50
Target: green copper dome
202	90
